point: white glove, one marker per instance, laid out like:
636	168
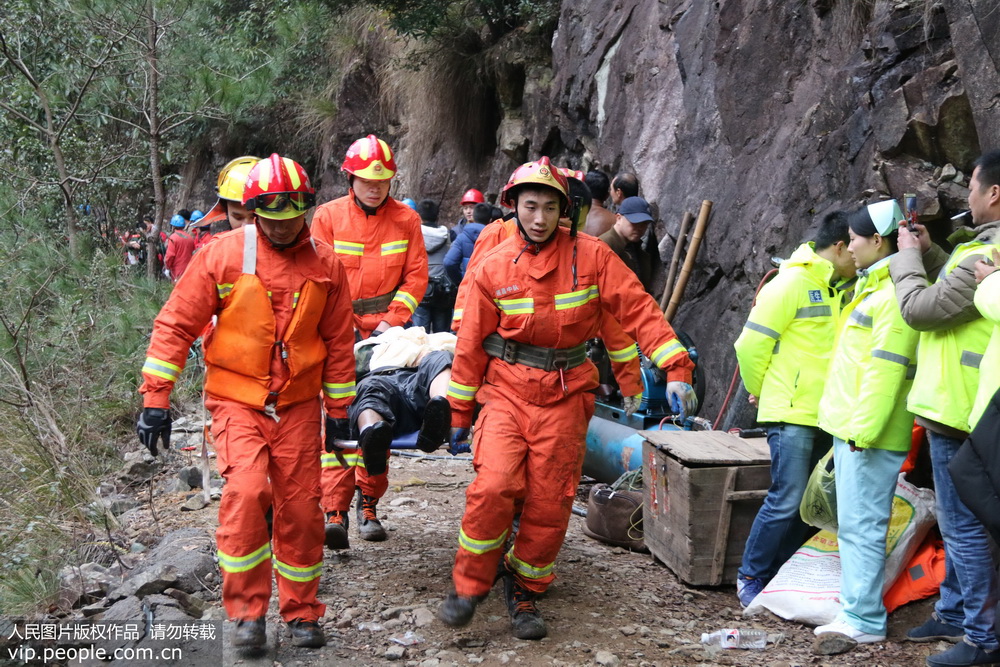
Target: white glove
631	404
682	398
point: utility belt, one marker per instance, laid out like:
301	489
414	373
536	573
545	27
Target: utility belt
545	358
373	305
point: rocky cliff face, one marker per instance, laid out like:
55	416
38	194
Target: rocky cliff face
778	112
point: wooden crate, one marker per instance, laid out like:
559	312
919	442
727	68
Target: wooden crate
702	492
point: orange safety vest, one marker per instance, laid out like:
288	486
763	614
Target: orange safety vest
238	361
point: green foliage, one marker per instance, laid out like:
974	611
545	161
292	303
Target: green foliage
449	23
72	338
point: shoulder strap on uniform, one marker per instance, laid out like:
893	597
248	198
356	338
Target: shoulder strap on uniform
250	248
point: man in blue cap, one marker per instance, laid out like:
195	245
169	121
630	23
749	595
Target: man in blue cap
625	238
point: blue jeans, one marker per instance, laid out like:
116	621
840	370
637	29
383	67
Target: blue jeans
969	589
433	319
777	530
866	484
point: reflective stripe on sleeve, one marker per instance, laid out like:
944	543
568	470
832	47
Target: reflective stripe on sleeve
161	369
891	356
971	359
348	248
234	564
760	328
462	392
813	311
295	299
666	352
395	247
406	299
529	571
480	546
351	457
516	306
628	354
339	389
576	299
298	573
457	315
861	319
223	289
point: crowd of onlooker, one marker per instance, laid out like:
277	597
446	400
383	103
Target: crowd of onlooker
865	331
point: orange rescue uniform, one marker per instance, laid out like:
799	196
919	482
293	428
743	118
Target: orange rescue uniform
531	433
282	340
384	256
622	350
180	248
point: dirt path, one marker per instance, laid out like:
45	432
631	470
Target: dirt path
608	606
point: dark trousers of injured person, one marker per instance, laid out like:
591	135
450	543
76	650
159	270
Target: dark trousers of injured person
400	396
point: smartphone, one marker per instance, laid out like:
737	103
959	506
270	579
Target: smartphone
910	204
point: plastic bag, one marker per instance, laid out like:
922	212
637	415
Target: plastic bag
807	587
819	501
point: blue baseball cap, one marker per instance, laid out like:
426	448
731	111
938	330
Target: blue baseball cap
635	210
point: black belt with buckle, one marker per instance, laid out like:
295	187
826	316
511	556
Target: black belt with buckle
545	358
373	305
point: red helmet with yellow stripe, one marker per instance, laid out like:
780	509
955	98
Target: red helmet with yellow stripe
278	188
541	172
370	158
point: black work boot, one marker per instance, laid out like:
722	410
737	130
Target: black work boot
374	444
369	527
250	633
457	610
437	425
336	530
525	621
306	633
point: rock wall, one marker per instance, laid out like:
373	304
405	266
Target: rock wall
778	112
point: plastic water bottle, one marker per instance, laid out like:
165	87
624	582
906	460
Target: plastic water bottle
736	638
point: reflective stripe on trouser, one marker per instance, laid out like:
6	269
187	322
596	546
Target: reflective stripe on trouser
269	463
522	452
338	482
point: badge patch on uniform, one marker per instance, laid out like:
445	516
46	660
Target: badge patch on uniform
815	296
509	289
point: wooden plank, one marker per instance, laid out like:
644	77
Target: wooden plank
710	448
722	530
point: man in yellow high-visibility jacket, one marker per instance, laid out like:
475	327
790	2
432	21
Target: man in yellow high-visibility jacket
953	338
783	353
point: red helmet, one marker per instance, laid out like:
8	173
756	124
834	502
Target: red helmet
571	173
473	196
540	172
278	188
370	158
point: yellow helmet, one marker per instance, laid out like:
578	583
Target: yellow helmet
229	186
233	177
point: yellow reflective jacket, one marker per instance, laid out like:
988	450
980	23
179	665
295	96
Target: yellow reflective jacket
949	358
988	303
864	400
786	343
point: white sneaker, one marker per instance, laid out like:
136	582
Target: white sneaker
842	628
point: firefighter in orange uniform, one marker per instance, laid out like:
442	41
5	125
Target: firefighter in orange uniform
282	340
380	243
622	351
534	301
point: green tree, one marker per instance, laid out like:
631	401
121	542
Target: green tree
48	69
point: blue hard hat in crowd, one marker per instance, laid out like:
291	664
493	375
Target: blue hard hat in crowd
177	221
409	202
196	215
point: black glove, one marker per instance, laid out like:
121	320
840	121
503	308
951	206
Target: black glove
153	424
336	429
